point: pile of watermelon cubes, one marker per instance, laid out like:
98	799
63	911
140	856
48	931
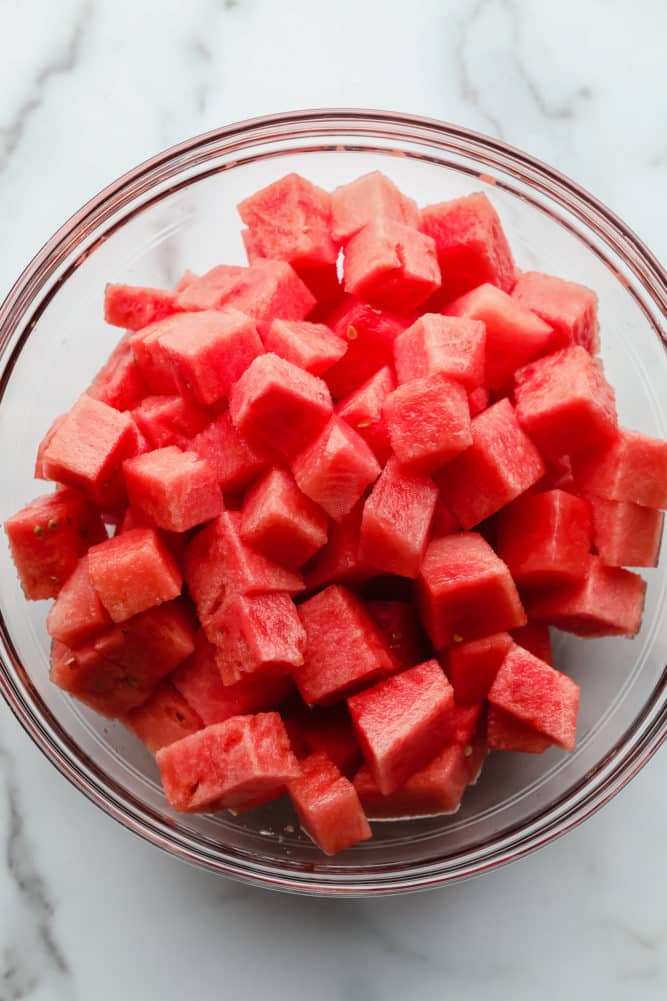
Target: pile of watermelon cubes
315	515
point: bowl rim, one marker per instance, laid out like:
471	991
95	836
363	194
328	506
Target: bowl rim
640	742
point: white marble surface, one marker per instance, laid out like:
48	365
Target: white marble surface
87	89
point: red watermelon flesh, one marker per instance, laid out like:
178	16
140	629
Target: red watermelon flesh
399	624
154	367
564	403
428	422
545	539
328	806
373	196
107	688
505	732
500	464
570	309
133	307
435	789
631	467
609	601
344	647
175	490
626	534
339	561
362	410
77	614
444	522
233	461
48	536
228	765
164	718
402	722
478	400
268	289
186	279
466	591
282	522
119	383
327	730
396	521
447	345
369	334
535	638
311	346
471	245
514	335
211	289
537	694
466	723
169	420
132	572
472	667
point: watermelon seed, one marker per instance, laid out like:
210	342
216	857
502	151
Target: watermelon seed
38	530
364	424
70	661
53	579
52	524
457	638
467	750
123	631
351	333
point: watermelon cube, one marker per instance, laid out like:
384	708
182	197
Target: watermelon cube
186	279
609	601
565	404
163	718
169	420
471	245
154	367
328	806
344	648
399	624
568	308
207	351
279	406
369	336
335	469
428	422
500	464
545	539
371	197
325	730
391	265
268	289
362	410
282	522
506	732
478	400
88	448
175	490
77	614
199	682
472	667
338	561
403	722
132	572
444	522
233	461
449	345
310	346
103	686
514	335
133	307
466	723
535	693
228	765
119	383
47	537
631	467
466	591
396	521
210	290
535	638
626	534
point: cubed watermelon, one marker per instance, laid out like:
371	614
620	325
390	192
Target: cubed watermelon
328	806
371	197
169	420
119	383
175	490
444	522
338	561
155	369
163	718
399	624
326	730
500	464
268	289
391	265
133	307
132	572
344	647
234	462
466	591
402	722
228	765
449	345
369	336
506	732
210	290
310	346
478	400
626	534
536	638
428	422
282	522
362	410
570	309
631	467
77	614
472	667
466	723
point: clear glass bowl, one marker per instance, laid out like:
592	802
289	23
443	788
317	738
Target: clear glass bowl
178	211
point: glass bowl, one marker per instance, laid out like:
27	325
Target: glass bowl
178	211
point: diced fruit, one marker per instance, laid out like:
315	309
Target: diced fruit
328	730
369	335
545	539
444	522
472	667
48	536
132	572
402	722
449	345
570	309
471	245
396	520
391	265
371	197
465	725
344	648
169	420
505	732
228	765
328	806
478	400
535	637
535	693
282	522
428	422
335	469
609	601
626	534
514	335
155	370
164	718
119	383
565	404
133	307
311	346
77	614
500	464
268	289
631	467
233	461
338	562
88	448
211	289
399	624
279	406
466	591
175	490
362	410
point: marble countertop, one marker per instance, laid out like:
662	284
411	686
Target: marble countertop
88	88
